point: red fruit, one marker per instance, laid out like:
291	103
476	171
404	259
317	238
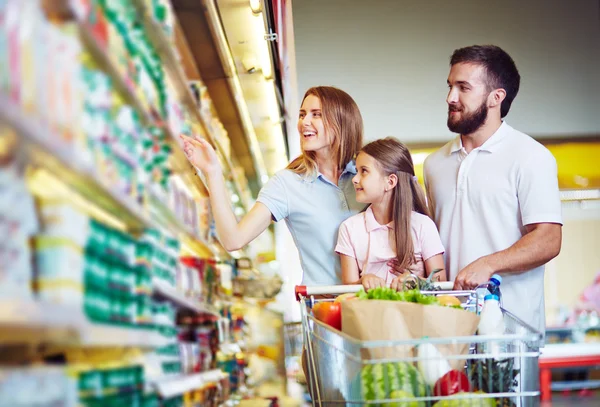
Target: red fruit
451	383
329	313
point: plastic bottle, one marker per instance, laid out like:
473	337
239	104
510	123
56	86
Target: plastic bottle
494	285
491	287
492	323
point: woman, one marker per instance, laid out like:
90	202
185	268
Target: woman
314	194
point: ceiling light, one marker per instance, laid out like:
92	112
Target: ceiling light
256	6
272	103
264	54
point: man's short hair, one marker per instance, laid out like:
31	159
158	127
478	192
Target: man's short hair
500	69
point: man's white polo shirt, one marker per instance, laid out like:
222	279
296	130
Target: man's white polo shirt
482	201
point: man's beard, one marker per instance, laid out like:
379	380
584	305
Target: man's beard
469	123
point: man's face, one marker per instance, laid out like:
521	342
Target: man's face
467	98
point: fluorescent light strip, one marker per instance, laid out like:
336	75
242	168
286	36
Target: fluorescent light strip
234	83
579	194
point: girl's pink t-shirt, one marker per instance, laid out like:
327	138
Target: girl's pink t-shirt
364	239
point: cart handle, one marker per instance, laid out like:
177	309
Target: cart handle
305	291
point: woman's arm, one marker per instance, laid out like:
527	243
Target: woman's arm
233	235
434	263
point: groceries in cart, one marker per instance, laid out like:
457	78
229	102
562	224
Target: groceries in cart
417	348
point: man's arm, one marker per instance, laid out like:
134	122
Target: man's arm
538	246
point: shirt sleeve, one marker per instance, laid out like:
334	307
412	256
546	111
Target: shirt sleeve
274	196
344	242
537	189
431	244
428	192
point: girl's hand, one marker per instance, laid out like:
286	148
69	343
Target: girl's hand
370	281
398	282
201	155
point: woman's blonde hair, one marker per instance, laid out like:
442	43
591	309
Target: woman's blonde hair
393	157
342	120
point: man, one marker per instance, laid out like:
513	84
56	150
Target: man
493	191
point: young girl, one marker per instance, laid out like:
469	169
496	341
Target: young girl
396	226
315	189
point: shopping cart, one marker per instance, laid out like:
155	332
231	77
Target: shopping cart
337	363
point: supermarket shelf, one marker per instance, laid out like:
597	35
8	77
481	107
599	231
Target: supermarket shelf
106	63
29	321
47	150
172	386
23	321
106	335
180	164
164	291
193	242
175	71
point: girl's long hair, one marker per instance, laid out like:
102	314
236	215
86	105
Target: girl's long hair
393	157
342	119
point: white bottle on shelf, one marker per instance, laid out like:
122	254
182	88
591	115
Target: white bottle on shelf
492	324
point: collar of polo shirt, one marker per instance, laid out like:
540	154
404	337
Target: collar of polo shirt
490	145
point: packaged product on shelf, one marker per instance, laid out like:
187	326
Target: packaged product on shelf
162	12
206	105
209	277
189	282
37	387
62	221
95	20
102	387
18	223
29	29
175	111
66	103
4	49
183	280
226	275
59	271
59	253
203	217
41	65
13	13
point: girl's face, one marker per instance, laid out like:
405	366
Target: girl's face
370	183
311	127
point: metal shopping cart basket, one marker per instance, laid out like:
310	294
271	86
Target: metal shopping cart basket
341	373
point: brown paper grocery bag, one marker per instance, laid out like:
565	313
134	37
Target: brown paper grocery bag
374	320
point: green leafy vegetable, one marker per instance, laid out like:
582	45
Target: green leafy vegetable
385	293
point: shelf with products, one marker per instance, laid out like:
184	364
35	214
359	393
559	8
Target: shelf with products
163	290
172	61
179	162
44	322
171	386
47	149
163	114
96	41
78	147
